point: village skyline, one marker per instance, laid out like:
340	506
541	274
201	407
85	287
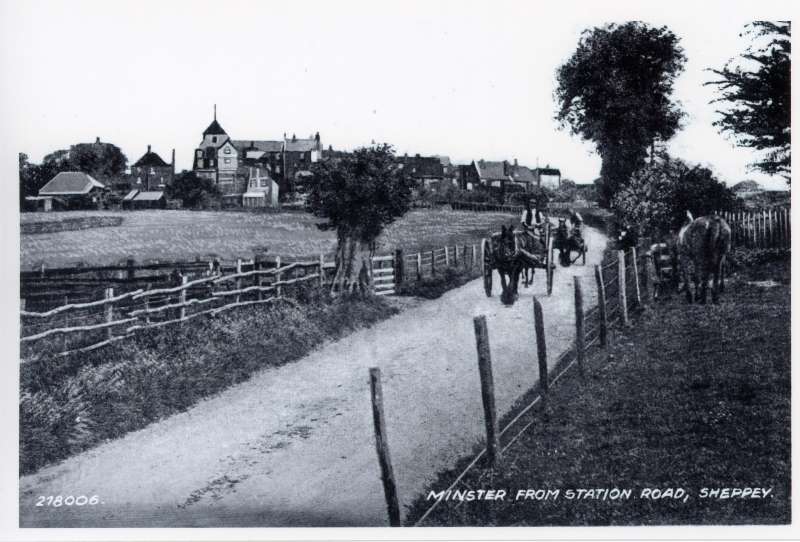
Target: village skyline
437	81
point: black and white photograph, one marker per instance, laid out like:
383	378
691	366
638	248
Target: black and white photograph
397	266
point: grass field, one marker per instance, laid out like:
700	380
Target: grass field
690	397
182	235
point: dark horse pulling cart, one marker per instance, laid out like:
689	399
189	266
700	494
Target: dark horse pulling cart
567	242
513	252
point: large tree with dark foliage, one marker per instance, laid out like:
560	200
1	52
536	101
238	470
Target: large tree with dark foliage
615	91
193	191
359	195
757	90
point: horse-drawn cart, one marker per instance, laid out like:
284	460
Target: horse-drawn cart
513	253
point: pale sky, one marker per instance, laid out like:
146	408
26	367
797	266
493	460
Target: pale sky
469	80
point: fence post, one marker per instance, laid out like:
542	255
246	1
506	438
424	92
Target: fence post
278	275
321	272
464	257
257	266
131	269
487	388
382	447
474	256
419	265
580	337
64	346
455	255
399	267
541	346
147	306
446	257
623	296
109	312
182	298
601	304
239	279
433	262
635	270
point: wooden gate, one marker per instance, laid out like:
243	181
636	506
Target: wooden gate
383	274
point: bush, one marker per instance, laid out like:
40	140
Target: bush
104	394
655	200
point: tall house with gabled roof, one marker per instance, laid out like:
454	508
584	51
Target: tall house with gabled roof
151	172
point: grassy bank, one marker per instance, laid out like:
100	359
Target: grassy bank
690	397
433	287
68	406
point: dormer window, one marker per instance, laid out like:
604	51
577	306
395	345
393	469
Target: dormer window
227	150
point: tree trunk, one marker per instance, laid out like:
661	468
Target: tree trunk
353	267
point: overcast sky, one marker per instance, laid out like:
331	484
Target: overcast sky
469	79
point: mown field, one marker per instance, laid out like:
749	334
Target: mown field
181	235
690	397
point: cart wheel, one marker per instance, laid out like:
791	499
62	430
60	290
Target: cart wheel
486	267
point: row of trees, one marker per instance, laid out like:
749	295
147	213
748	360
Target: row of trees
616	92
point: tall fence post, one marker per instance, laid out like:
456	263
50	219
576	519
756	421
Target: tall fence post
382	447
65	336
601	304
238	279
419	265
433	262
580	336
541	347
474	255
623	296
182	298
109	306
399	267
259	280
130	264
487	388
147	305
635	270
321	271
277	275
446	256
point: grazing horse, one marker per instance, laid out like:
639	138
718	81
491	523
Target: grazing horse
504	254
703	243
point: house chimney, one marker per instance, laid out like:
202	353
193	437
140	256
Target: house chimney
294	138
148	149
173	159
516	164
317	137
97	141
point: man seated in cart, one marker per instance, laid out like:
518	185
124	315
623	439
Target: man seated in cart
532	220
576	220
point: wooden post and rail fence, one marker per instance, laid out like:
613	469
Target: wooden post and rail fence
615	297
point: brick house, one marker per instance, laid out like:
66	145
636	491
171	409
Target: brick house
151	172
426	170
298	155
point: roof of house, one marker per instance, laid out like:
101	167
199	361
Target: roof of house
148	196
301	145
522	174
492	170
422	166
548	171
214	129
130	195
262	145
70	183
150	159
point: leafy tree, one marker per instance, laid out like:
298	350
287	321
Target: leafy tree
195	192
655	201
359	195
757	90
567	191
615	91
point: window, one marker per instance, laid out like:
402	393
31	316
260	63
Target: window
227	150
152	171
263	182
227	160
213	139
211	163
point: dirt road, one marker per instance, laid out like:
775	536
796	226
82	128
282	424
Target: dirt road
294	446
